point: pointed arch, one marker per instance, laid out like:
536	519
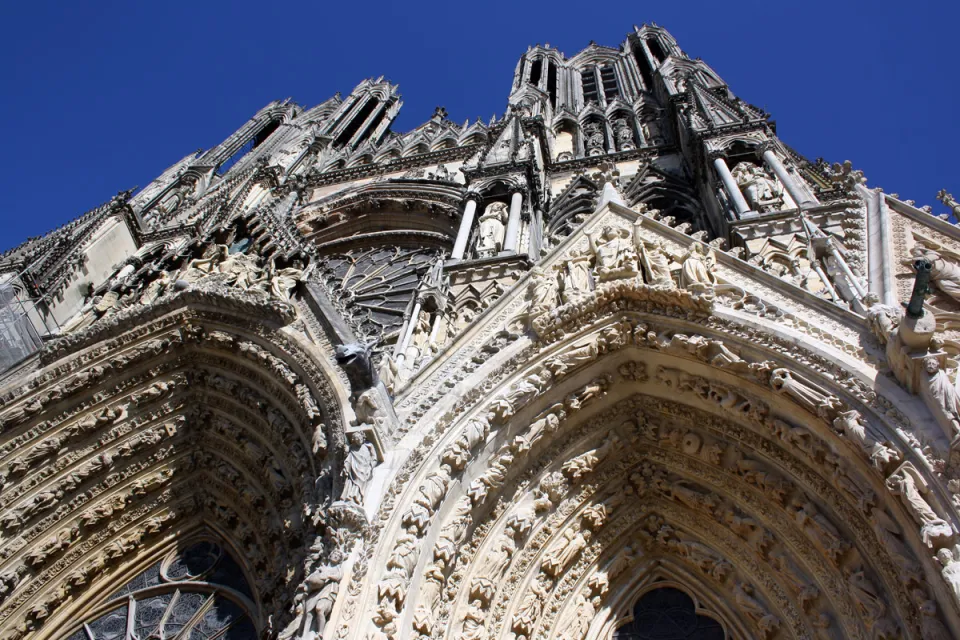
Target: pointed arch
195	410
622	433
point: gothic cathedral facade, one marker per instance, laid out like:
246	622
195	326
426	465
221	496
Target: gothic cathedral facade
617	365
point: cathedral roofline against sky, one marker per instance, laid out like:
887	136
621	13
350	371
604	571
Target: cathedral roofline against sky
615	362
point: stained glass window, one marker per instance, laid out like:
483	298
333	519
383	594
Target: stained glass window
668	614
196	593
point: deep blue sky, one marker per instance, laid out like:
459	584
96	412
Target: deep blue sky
103	96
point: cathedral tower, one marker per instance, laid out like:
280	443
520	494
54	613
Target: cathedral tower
617	364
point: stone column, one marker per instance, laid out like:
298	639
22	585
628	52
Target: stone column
513	223
786	179
466	223
730	186
408	332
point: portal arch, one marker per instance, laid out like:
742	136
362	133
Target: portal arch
764	465
197	411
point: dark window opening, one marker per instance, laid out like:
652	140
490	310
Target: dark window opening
611	89
646	73
249	146
355	124
523	67
589	81
656	49
343	114
377	119
552	83
535	70
668	614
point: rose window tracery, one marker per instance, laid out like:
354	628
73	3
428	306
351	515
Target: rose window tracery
199	592
372	287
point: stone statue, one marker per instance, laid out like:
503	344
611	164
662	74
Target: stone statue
572	541
593	138
624	135
907	483
280	283
492	229
200	268
615	256
946	268
322	586
156	288
944	393
762	192
358	468
240	269
744	597
575	277
869	599
654	261
851	425
949	558
696	269
542	291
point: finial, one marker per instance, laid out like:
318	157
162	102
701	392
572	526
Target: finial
950	201
439	113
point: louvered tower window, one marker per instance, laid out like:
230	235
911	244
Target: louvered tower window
589	81
535	70
611	89
552	82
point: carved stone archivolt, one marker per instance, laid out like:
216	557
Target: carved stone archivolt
741	476
187	418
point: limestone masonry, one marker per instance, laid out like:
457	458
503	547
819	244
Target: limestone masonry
619	364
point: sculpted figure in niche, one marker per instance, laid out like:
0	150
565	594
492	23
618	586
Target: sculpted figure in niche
624	133
542	291
241	270
869	599
577	356
950	561
616	256
696	269
473	628
651	132
851	425
200	268
944	392
907	483
575	277
583	615
572	541
814	400
492	229
531	607
653	260
322	586
946	268
593	138
743	594
358	468
762	192
279	283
